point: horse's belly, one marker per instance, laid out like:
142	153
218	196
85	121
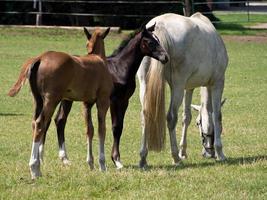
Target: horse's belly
79	95
198	81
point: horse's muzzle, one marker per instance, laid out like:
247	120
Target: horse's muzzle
164	59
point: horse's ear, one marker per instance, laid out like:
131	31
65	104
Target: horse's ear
103	35
88	35
151	28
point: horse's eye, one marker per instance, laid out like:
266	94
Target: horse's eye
152	45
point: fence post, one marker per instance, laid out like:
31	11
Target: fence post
39	14
188	9
248	9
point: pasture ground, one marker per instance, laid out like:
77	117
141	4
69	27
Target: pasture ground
242	176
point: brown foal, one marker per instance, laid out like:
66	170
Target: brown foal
56	76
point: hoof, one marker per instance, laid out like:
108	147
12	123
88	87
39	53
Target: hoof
102	165
35	174
208	153
103	168
177	163
176	159
91	165
219	154
66	161
143	164
221	158
35	170
118	164
182	155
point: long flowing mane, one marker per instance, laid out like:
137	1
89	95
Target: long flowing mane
124	43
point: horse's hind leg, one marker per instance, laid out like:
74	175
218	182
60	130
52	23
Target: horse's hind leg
40	125
102	108
143	150
37	150
142	74
42	142
187	116
90	134
216	92
60	121
172	117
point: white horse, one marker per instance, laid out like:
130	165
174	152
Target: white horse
197	58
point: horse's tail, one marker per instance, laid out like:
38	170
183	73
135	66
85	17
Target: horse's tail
33	80
22	76
154	103
154	100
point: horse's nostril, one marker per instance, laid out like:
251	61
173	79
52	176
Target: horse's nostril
165	60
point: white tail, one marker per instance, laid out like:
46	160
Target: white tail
154	104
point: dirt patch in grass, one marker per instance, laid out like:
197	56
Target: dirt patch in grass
246	38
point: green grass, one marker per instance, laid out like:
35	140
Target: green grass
243	176
240	24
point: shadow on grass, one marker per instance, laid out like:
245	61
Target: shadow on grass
11	114
238	29
207	163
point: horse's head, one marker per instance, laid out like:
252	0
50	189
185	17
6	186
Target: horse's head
206	130
95	41
150	45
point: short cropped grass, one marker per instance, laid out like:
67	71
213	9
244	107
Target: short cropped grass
242	176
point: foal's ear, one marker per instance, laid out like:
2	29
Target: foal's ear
103	35
145	31
151	28
88	35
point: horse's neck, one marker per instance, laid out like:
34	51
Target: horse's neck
125	64
100	52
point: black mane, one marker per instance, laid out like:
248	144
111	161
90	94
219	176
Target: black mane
124	43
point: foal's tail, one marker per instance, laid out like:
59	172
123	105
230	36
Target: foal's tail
24	73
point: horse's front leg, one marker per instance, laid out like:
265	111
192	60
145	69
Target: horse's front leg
102	108
172	117
206	124
216	93
187	116
89	133
117	110
60	121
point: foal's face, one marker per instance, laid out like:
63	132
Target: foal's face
150	46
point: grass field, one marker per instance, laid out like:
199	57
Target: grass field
242	176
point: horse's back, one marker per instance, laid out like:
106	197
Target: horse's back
197	51
73	78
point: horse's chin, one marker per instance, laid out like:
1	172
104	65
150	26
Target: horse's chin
164	59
